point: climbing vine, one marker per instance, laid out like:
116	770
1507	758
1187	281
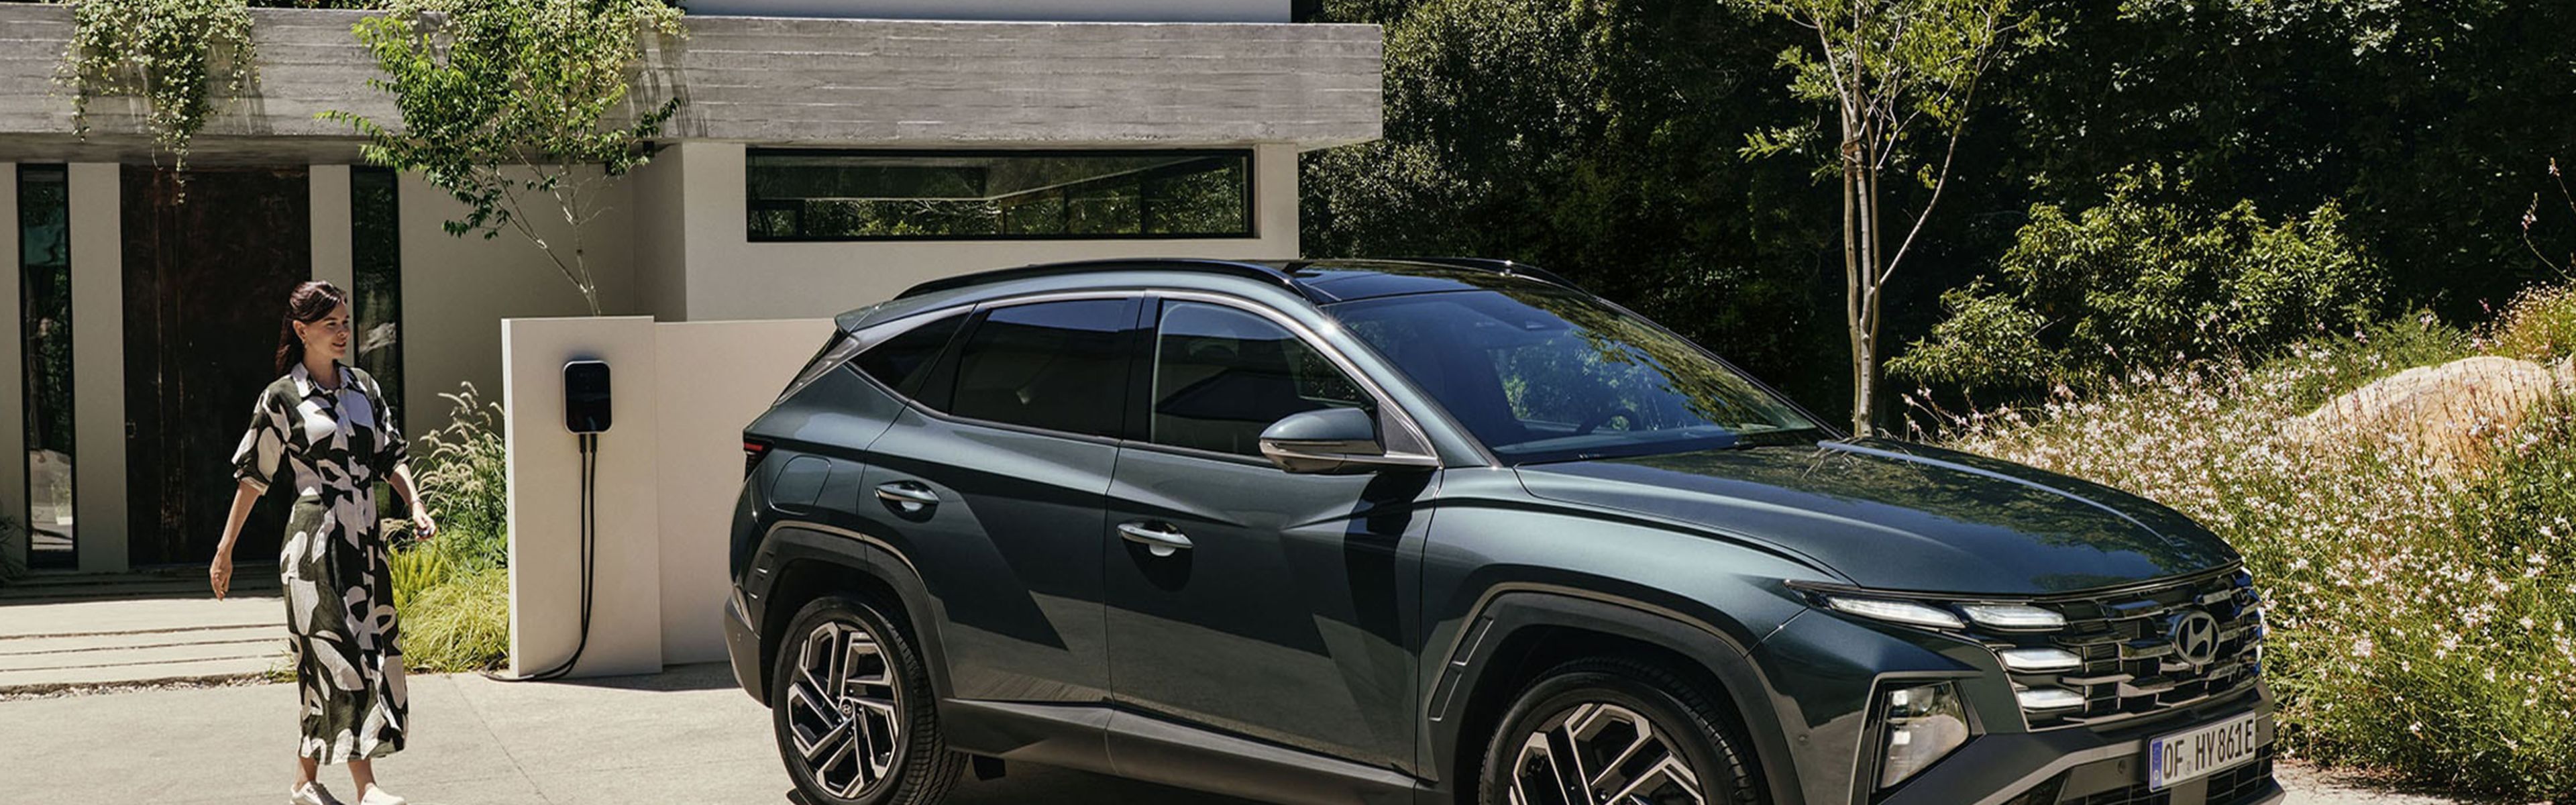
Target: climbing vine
178	55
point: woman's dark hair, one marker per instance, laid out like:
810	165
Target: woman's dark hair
308	303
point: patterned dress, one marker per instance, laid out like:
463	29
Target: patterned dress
333	445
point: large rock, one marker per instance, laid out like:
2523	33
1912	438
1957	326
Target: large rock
2449	413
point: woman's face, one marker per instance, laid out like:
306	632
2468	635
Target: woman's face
327	337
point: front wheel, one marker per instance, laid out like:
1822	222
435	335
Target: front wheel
852	704
1605	731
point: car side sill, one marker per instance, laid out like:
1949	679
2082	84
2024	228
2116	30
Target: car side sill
1098	739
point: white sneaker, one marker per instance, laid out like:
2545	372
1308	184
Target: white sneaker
375	795
311	794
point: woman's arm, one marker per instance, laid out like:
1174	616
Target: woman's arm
422	527
220	573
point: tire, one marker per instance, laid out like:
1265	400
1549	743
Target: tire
1590	710
874	742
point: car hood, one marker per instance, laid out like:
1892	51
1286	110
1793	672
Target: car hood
1897	516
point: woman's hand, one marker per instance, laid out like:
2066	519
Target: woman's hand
422	527
220	573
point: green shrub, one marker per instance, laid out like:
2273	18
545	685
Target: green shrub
461	623
2333	366
2142	281
463	471
2420	619
2540	325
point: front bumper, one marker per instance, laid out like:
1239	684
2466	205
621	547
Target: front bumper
2090	767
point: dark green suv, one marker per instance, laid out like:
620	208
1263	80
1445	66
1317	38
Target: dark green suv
1441	531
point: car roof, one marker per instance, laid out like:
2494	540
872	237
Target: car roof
1324	281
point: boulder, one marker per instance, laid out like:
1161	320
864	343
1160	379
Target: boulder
2449	413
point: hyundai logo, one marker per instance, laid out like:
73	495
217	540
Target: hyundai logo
2195	637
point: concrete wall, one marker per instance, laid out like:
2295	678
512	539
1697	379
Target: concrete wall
328	199
716	378
456	291
13	394
98	366
730	277
1056	10
545	567
898	83
669	468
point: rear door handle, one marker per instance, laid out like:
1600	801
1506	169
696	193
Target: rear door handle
908	496
1159	539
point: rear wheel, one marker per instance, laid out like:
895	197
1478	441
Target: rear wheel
1616	732
852	705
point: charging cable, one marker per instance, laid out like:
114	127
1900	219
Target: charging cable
589	550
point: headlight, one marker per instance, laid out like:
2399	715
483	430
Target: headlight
2014	616
1906	612
1924	724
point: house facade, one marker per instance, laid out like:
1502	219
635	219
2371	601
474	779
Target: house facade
829	154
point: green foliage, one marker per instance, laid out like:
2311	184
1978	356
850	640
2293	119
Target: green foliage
1578	136
2540	325
454	617
1988	342
2137	282
2419	618
176	55
463	472
509	104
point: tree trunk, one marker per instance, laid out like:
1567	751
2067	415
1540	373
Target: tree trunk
1855	278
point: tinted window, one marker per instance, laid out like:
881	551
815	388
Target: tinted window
842	195
1546	375
1222	375
901	361
1053	365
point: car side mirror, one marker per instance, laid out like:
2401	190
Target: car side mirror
1332	440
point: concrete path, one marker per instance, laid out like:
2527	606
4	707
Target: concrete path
65	631
687	736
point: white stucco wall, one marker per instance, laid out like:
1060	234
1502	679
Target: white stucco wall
98	366
669	469
545	517
456	291
715	378
328	199
730	277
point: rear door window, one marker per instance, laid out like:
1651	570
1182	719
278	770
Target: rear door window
1059	366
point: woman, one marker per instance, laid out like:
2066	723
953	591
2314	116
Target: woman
328	427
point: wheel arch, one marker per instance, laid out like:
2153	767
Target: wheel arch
814	561
1519	634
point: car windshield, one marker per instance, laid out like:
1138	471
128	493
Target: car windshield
1543	375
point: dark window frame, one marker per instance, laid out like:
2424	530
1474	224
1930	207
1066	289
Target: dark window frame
1251	229
27	402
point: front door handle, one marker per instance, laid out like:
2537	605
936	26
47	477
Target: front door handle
1159	539
908	496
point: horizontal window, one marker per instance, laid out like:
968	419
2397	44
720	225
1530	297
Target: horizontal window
998	195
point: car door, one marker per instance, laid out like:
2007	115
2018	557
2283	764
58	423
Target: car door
1286	618
998	495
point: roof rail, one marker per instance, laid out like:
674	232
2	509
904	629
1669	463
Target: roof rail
1497	266
1249	270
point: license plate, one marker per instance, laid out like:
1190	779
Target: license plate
2194	753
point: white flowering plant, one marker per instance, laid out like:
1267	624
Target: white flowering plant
2420	614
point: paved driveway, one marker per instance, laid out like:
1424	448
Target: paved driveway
682	737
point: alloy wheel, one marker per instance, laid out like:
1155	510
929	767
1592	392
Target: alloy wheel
1602	754
844	709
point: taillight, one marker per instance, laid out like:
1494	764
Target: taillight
751	454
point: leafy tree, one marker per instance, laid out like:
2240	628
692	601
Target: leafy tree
506	105
1888	69
1574	135
2144	278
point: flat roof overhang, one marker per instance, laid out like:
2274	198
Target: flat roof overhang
852	83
